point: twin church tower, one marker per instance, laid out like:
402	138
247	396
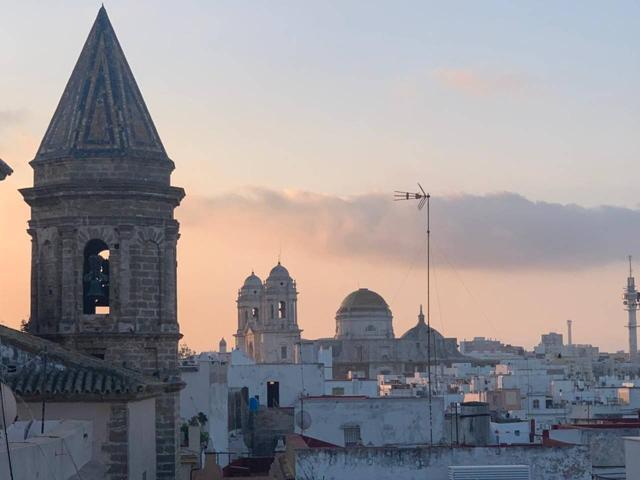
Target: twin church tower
103	276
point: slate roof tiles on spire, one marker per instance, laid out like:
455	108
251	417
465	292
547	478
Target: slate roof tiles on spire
101	112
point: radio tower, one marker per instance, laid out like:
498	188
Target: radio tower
631	300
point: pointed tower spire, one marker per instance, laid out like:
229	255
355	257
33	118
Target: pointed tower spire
101	112
421	316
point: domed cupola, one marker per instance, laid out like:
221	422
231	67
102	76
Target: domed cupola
251	288
252	281
250	301
279	277
420	333
364	314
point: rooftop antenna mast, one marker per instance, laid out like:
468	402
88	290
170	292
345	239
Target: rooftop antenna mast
424	199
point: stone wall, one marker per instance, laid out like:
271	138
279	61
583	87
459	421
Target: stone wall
606	444
547	463
266	427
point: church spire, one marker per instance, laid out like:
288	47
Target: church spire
421	316
101	112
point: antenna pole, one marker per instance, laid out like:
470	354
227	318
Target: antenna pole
429	317
424	199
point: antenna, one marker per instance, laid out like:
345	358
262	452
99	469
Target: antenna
630	267
424	199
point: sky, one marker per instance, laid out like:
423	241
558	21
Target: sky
291	124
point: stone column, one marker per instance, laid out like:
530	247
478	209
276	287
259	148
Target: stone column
33	319
167	436
168	287
71	280
126	319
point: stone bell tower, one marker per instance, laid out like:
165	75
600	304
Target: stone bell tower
103	274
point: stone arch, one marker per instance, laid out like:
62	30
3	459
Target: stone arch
95	277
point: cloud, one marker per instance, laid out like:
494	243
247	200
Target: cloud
499	231
10	118
479	83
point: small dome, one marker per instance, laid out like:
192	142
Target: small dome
363	299
420	333
279	272
252	281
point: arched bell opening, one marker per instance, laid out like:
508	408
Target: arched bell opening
95	280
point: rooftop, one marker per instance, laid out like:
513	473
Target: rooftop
68	375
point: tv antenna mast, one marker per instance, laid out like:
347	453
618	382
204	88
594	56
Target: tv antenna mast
424	199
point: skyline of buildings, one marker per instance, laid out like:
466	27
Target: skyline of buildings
232	181
96	385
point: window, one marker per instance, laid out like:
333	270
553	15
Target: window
283	352
273	312
352	436
517	433
282	310
370	328
536	404
360	353
255	312
337	391
273	394
95	279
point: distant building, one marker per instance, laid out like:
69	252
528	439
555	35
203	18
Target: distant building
486	348
550	343
268	317
364	344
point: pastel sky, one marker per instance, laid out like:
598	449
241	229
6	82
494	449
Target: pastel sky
292	122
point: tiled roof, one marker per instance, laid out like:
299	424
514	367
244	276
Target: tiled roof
65	381
69	374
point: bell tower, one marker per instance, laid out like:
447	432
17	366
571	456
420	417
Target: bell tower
103	232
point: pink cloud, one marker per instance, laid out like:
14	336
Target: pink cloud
481	83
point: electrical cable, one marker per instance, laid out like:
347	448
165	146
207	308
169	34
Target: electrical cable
4	421
473	298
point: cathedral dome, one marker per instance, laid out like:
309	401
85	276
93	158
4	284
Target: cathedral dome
363	299
279	272
252	281
364	314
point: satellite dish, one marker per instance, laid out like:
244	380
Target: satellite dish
303	420
10	406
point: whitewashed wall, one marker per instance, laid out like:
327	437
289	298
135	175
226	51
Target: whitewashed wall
293	379
382	420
